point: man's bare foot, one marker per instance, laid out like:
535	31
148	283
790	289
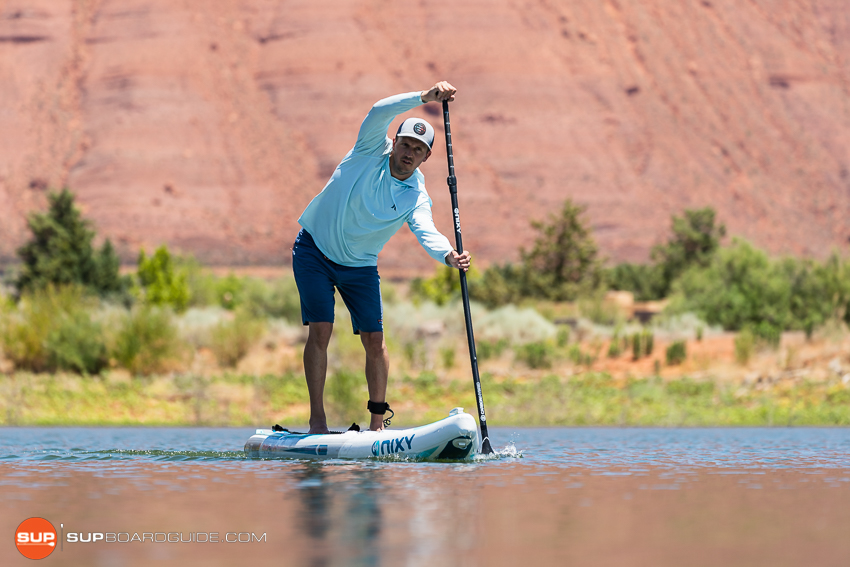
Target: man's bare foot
318	429
377	423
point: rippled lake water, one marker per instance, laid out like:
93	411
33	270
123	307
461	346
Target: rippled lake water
553	497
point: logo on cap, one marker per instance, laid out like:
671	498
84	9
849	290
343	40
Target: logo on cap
419	128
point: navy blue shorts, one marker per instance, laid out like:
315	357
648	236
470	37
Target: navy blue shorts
316	277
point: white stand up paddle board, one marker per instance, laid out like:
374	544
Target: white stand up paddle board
455	437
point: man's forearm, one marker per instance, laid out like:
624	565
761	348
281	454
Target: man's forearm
373	131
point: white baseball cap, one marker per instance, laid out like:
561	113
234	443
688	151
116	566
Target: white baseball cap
417	128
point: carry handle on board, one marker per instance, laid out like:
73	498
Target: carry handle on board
486	449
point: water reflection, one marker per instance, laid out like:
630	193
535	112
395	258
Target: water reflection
339	511
576	497
315	500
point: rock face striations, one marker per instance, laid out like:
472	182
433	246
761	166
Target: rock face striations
210	125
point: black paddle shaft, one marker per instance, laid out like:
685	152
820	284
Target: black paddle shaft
486	448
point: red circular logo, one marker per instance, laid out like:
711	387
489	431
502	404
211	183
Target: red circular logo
35	538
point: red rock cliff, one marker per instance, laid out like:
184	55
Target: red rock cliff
209	125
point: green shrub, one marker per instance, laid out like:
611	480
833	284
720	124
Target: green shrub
107	280
563	338
687	387
498	285
427	385
447	354
256	295
743	287
231	340
51	329
614	350
642	344
513	324
694	241
490	349
739	287
579	357
819	291
442	287
414	352
60	252
277	298
838	395
646	281
535	355
200	282
563	261
594	306
76	343
562	264
637	347
146	341
161	284
24	331
648	339
344	394
744	345
768	333
676	353
229	291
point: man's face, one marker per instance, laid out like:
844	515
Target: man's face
407	155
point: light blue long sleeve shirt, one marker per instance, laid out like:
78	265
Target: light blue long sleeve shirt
363	205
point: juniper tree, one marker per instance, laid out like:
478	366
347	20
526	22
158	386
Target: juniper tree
562	263
60	251
694	242
563	260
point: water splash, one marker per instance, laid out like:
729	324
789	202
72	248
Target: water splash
509	451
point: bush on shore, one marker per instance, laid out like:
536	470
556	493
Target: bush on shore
66	328
60	252
59	326
147	341
743	288
160	283
231	339
51	329
694	241
277	298
562	264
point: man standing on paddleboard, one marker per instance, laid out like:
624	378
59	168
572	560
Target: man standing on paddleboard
374	190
